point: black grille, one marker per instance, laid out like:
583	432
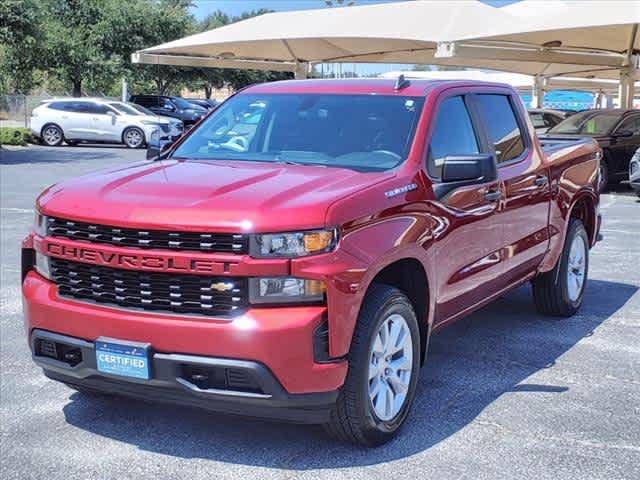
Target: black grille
182	294
129	237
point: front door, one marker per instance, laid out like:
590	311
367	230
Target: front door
468	264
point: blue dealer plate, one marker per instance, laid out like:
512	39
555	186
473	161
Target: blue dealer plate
126	359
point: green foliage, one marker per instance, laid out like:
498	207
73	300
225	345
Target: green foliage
15	136
85	46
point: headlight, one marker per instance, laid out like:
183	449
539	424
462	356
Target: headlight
293	244
40	224
42	265
633	167
282	290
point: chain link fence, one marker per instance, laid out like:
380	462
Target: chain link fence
15	110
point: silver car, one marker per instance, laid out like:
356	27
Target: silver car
634	172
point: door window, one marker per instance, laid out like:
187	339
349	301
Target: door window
452	134
97	109
501	126
631	124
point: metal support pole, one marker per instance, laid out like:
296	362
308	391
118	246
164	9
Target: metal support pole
625	90
537	99
301	71
125	90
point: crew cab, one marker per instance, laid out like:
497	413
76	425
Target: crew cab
291	256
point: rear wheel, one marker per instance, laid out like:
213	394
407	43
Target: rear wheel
560	291
133	137
384	364
604	175
52	135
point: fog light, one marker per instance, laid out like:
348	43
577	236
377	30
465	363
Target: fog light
282	290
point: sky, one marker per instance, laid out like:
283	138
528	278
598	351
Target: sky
201	8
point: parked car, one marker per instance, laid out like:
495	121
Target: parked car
176	127
297	269
616	130
207	103
634	172
544	118
176	107
94	120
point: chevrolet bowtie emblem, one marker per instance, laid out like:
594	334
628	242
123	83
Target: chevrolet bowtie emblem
222	287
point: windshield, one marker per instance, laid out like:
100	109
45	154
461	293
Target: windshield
588	123
121	107
183	104
362	132
141	109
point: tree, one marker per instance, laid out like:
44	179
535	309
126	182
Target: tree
20	41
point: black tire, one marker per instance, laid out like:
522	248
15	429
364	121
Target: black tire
550	290
353	418
129	134
604	175
51	135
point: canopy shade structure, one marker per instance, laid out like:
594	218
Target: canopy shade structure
593	39
386	33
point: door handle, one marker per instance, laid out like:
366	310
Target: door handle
493	195
541	181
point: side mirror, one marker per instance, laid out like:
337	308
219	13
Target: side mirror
469	168
168	106
157	144
622	134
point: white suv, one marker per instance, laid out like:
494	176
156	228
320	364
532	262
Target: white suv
74	120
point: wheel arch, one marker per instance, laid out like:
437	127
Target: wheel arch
584	209
409	276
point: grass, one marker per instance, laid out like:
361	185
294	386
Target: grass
15	136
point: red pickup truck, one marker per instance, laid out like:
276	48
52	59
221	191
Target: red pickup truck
291	255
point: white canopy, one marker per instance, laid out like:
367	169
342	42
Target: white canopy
593	39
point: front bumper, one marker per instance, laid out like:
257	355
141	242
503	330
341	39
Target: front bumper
281	339
237	387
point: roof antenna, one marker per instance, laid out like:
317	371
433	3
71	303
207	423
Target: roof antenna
401	83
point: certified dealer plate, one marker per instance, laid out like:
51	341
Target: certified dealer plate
126	359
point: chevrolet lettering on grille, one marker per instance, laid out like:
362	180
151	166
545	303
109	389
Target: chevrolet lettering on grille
135	261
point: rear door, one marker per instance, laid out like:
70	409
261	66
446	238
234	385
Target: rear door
76	120
523	180
468	260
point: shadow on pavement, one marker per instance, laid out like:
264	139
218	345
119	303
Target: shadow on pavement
470	365
36	155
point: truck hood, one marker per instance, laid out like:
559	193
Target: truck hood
226	196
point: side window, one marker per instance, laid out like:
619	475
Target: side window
166	104
78	107
501	125
632	124
97	109
452	134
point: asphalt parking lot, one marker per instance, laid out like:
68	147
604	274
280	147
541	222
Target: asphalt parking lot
506	392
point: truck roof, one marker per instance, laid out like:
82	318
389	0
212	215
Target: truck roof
379	86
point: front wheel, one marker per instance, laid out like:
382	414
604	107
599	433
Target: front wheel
560	291
384	364
133	137
52	135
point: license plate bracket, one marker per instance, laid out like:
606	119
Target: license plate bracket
123	358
